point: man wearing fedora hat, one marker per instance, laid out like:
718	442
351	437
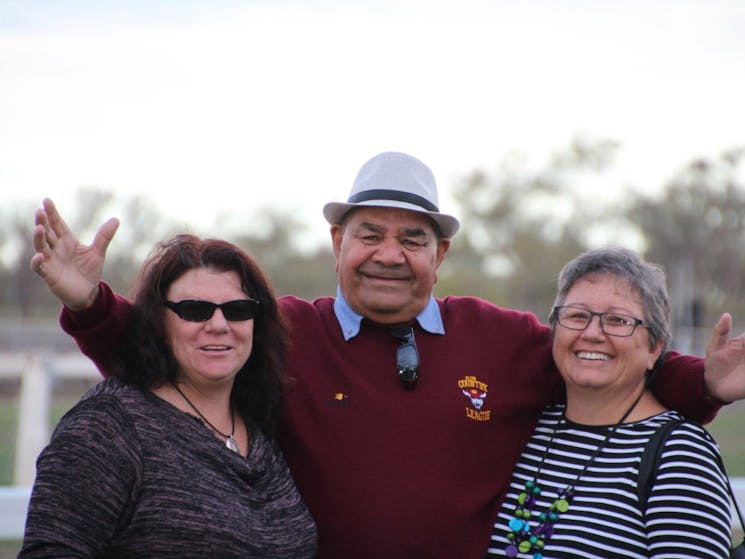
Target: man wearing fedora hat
407	412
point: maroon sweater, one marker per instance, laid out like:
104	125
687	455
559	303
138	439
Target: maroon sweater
389	473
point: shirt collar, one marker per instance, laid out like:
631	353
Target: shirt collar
429	319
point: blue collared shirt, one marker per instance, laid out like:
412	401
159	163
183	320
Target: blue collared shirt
429	319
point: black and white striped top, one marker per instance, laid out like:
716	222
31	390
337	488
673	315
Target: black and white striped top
688	514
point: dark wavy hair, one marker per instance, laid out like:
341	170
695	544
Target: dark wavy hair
147	359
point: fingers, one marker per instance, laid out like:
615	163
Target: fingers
104	235
41	219
56	224
724	326
721	332
37	264
39	235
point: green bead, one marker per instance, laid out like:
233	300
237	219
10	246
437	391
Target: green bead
524	546
521	498
562	505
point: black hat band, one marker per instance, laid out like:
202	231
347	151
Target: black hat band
397	195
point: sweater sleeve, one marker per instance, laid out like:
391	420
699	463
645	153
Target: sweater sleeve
680	386
87	478
99	330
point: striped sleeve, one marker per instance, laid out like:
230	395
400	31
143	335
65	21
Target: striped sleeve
688	514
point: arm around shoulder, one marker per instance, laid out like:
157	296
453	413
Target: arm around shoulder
680	385
99	329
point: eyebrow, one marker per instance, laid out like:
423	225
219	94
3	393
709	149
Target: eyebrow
612	310
371	227
409	232
414	232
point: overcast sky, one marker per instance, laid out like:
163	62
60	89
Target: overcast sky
219	105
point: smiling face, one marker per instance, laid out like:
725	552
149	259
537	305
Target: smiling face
592	360
213	351
387	260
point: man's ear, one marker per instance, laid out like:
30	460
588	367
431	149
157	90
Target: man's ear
337	235
443	245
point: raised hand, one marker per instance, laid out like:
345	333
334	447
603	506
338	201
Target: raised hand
725	362
70	269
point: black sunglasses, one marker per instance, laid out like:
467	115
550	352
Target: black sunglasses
195	310
407	357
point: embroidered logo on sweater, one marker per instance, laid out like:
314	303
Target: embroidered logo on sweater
476	392
338	400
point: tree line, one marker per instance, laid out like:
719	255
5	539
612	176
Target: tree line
519	226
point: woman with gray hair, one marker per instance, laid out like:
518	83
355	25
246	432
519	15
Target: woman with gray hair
574	491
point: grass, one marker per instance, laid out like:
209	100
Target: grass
727	430
9	424
9	548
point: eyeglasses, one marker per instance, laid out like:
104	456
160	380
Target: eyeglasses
407	357
613	324
195	310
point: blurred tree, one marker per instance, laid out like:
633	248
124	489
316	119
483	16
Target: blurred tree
25	294
20	293
275	245
273	240
696	230
520	227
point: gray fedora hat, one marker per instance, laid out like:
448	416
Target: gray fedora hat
394	180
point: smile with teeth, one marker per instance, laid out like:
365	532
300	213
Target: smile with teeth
215	348
593	356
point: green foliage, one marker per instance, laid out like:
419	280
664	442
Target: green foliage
727	431
520	226
8	426
273	243
696	230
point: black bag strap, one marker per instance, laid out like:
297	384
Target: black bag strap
648	471
651	461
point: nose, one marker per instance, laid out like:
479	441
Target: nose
217	322
594	328
390	252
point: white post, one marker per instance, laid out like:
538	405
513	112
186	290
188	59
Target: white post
33	419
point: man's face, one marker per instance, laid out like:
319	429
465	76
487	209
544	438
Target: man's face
387	260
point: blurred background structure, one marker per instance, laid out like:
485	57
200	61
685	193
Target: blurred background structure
552	126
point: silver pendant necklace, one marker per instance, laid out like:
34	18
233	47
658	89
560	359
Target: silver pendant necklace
229	440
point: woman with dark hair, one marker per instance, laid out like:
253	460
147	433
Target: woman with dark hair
174	456
574	492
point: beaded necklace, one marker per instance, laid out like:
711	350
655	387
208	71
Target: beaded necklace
525	538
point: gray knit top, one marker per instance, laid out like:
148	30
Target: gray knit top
128	475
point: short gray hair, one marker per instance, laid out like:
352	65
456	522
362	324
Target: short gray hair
645	277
